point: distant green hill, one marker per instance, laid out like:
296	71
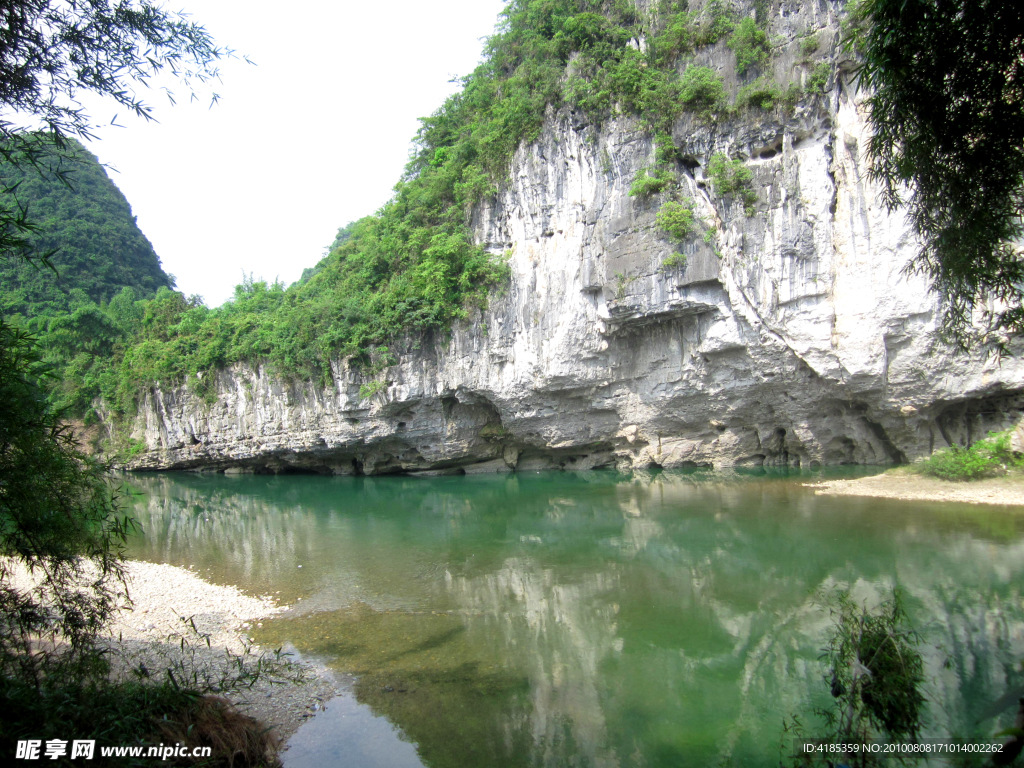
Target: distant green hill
89	224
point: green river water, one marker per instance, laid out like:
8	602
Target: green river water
589	619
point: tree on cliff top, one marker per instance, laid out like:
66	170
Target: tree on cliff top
948	115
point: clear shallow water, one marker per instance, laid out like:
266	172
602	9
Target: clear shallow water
591	619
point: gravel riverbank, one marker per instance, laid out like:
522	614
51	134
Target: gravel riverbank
180	622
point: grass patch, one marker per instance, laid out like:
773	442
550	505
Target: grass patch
676	220
732	177
650	181
235	739
990	457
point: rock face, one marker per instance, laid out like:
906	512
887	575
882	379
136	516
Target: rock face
791	337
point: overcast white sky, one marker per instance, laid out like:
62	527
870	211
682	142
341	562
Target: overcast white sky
312	137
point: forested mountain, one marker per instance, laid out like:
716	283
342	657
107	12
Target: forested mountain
90	298
83	219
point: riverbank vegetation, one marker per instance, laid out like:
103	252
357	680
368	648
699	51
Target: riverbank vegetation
990	457
61	521
140	715
66	248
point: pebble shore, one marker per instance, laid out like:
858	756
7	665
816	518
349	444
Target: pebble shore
179	621
168	600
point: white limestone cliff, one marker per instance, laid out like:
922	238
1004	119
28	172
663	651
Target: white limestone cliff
793	337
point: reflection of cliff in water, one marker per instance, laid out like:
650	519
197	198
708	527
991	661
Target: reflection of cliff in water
228	533
598	620
700	633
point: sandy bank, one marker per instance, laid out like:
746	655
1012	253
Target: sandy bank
171	604
904	484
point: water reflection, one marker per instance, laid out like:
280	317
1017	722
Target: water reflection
345	733
594	619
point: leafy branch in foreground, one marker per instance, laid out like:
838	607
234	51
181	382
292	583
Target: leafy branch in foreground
61	528
875	675
51	52
948	118
59	518
61	580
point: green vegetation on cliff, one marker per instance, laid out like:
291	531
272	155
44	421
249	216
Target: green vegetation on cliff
413	266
